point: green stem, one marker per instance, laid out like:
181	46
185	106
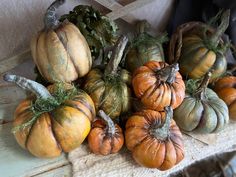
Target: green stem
111	126
39	90
116	57
168	73
163	132
142	26
215	38
201	90
50	19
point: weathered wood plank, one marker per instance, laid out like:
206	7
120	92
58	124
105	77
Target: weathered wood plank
64	171
128	8
114	5
16	162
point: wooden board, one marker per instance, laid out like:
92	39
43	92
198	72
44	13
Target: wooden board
16	162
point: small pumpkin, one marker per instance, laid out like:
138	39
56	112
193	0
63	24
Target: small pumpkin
60	51
202	110
144	48
105	137
154	139
198	48
109	88
57	120
158	85
225	88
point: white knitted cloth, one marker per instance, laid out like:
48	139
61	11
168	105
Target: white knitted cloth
86	164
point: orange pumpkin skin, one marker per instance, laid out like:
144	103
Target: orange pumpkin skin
148	150
155	93
226	90
103	143
62	129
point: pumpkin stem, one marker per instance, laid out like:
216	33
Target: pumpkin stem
167	74
215	38
50	19
39	90
201	90
163	132
116	57
143	26
111	126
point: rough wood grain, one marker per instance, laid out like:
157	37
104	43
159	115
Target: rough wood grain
16	162
64	171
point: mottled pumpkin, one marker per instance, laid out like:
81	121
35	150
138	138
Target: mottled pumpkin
60	51
109	88
50	123
105	137
199	48
144	48
154	139
158	85
202	110
225	88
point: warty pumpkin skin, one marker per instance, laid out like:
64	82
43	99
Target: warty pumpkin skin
202	51
158	85
225	88
144	48
109	88
105	137
202	110
154	139
60	51
46	134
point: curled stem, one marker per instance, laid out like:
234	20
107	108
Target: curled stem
111	126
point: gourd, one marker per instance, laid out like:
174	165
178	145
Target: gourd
157	85
60	51
109	87
56	120
202	110
105	137
154	139
144	48
225	89
198	48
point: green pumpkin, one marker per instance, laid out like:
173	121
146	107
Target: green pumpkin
202	110
144	48
202	50
109	88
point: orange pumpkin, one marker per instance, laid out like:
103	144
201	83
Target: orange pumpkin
226	90
57	120
105	137
158	85
154	139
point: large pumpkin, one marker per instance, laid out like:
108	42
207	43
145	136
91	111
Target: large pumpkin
52	122
60	51
144	48
105	137
154	139
202	110
225	88
158	85
108	88
198	49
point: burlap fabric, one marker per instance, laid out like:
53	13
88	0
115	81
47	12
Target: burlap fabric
84	163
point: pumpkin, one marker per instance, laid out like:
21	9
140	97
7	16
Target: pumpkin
105	137
109	88
202	110
199	48
225	89
154	139
52	122
158	85
144	48
60	51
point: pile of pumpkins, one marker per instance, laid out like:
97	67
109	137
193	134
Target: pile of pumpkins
157	98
